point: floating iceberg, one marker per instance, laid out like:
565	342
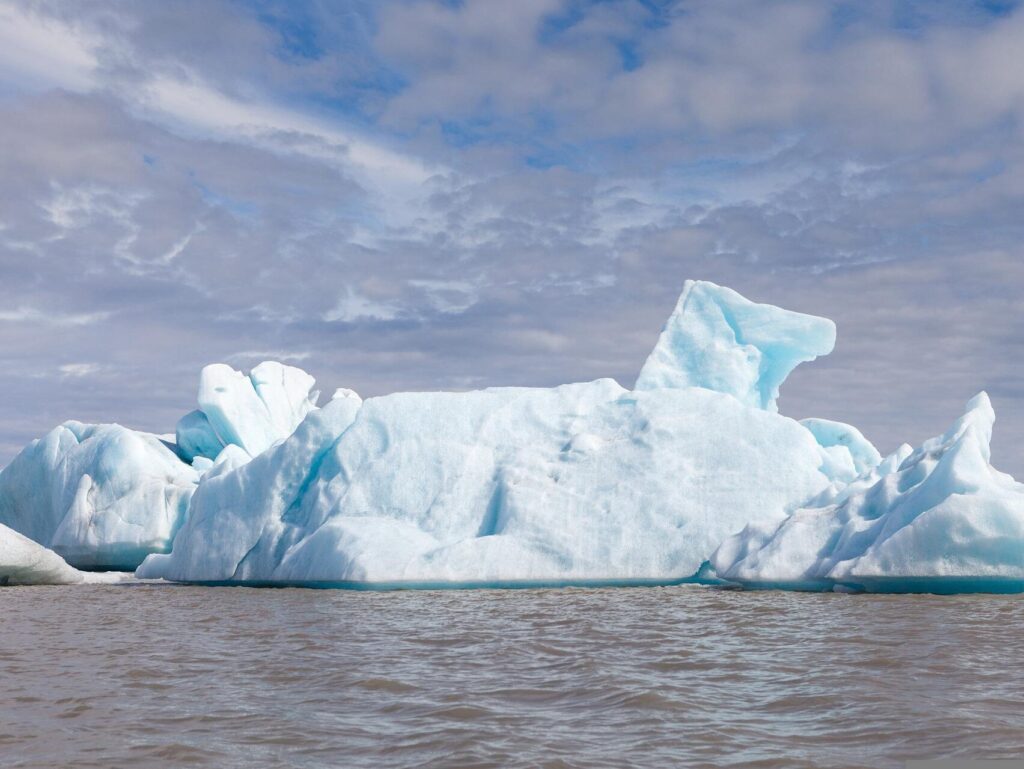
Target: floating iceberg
939	519
24	562
584	483
105	497
580	483
100	496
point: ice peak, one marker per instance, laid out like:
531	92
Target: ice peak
252	410
937	519
968	439
719	340
978	419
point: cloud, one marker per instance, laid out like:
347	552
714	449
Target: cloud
354	307
33	315
39	51
43	51
262	355
77	370
421	195
195	106
710	72
448	296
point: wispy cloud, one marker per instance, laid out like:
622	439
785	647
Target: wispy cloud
79	370
192	105
33	315
422	194
38	51
355	307
250	356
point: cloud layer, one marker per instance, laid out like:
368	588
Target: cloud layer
421	195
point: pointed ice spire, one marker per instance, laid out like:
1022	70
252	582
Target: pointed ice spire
721	341
937	519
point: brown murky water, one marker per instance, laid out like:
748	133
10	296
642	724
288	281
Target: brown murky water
158	675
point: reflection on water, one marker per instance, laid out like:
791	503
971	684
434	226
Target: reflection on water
158	675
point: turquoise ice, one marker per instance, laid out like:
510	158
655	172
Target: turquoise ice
721	341
583	483
691	475
101	496
936	519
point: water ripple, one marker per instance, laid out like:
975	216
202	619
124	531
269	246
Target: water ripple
101	676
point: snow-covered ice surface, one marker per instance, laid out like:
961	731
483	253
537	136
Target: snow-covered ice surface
25	562
939	519
580	483
100	496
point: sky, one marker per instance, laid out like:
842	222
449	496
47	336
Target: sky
433	195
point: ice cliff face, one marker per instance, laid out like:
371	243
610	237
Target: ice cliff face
939	519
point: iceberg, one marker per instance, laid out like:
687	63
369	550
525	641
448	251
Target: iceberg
939	519
692	475
100	496
252	412
24	562
580	484
105	497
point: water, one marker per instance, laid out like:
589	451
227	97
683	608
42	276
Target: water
158	675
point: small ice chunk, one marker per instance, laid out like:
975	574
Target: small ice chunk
24	562
101	496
